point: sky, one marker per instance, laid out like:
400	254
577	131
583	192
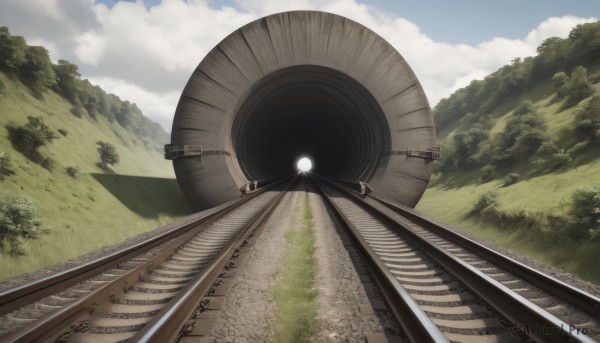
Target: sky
145	51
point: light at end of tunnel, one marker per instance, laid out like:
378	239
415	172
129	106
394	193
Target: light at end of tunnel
304	164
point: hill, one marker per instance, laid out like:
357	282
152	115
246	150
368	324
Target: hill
85	205
521	155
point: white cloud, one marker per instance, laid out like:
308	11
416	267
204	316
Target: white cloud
146	55
158	106
90	47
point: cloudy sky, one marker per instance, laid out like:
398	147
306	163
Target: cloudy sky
145	51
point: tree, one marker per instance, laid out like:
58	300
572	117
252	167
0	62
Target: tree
67	75
18	221
522	136
108	154
579	86
586	42
33	135
587	120
524	108
37	70
6	167
89	98
561	84
13	50
560	79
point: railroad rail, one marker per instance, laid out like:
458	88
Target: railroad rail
143	293
441	291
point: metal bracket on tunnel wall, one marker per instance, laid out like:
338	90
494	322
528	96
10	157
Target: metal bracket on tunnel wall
431	153
175	151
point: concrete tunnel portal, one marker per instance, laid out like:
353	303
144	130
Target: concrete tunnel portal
302	84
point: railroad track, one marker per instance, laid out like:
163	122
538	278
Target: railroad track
143	293
444	287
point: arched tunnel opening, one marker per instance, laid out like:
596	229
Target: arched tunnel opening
310	111
302	84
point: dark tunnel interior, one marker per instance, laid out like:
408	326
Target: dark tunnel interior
309	111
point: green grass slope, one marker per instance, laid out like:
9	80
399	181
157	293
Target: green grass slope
95	209
452	194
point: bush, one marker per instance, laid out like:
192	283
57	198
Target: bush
560	79
488	173
47	163
524	108
511	179
485	200
108	154
547	148
584	221
579	86
31	136
587	120
18	221
63	132
558	161
72	171
6	167
2	87
77	111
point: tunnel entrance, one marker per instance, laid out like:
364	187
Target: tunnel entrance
310	110
302	83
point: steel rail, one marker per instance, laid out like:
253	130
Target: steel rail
47	325
415	322
572	295
168	323
510	304
19	296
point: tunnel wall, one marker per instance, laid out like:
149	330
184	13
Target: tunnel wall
227	77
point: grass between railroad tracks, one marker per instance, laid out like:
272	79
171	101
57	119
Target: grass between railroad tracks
295	296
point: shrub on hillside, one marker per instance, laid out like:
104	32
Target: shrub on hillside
587	120
561	84
485	200
579	86
522	136
6	167
547	148
585	213
487	173
548	163
524	108
2	87
18	221
77	111
511	179
31	136
558	161
72	171
47	163
63	132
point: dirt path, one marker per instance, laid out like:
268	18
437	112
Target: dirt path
248	308
349	307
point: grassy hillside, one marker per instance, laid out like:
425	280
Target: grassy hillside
531	131
98	207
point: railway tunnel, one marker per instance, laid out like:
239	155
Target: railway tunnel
302	84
